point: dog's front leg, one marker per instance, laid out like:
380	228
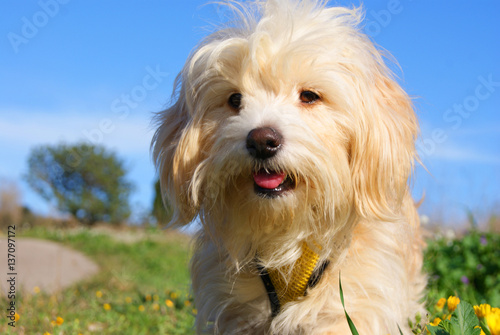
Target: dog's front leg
229	301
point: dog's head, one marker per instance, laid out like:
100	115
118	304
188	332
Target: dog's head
288	117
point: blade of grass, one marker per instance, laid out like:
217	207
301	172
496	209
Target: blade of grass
353	329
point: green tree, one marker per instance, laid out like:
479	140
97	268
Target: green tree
84	180
162	212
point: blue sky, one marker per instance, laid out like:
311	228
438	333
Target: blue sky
97	70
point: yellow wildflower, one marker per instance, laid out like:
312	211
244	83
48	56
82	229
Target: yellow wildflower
16	317
446	317
36	290
156	307
187	303
59	321
148	297
441	302
106	307
141	308
482	310
128	300
493	321
46	333
169	303
453	303
436	322
98	294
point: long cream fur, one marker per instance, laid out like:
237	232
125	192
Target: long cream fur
351	155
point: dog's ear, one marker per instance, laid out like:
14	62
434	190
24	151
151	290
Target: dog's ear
176	154
383	147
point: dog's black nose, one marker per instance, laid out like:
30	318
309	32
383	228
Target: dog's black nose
264	142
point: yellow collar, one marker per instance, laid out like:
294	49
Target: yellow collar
281	289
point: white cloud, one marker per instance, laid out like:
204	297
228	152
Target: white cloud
22	130
465	145
454	153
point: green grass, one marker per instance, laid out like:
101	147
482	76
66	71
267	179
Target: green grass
468	267
153	273
145	273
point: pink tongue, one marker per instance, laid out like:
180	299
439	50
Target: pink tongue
268	180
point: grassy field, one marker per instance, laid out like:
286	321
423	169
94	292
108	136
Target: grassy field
143	286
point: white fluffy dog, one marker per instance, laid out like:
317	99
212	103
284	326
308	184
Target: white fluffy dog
292	143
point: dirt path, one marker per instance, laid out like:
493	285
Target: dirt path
44	264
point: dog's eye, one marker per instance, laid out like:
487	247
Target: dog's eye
235	101
308	97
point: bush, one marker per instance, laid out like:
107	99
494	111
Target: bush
467	267
86	181
161	210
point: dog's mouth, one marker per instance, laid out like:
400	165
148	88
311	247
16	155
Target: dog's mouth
272	184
